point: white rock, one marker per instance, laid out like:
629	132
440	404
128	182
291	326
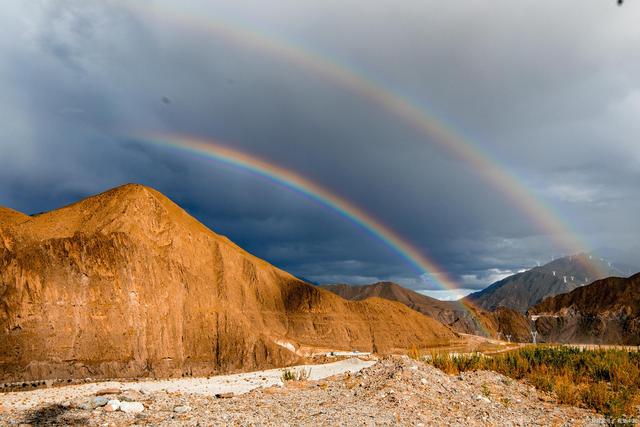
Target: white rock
131	407
482	398
423	381
112	405
182	409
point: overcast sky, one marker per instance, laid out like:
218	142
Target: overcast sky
551	90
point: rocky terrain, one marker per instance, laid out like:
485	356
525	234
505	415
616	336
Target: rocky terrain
126	284
395	391
467	318
523	290
605	312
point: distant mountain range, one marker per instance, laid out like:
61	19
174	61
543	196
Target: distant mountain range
523	290
464	319
604	312
573	309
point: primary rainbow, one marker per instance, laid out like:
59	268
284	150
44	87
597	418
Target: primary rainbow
216	151
498	176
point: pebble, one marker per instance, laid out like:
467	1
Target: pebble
99	401
112	405
105	391
182	409
224	395
85	406
131	407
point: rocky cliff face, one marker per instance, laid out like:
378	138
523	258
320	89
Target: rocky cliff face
127	284
464	319
605	312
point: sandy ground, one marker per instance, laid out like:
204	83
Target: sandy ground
236	383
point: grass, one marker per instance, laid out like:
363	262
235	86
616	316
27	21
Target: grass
607	381
293	375
485	390
413	352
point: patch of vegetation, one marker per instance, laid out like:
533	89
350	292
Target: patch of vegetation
485	390
607	381
293	375
413	352
288	375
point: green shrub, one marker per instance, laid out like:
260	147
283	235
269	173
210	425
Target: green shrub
293	375
288	375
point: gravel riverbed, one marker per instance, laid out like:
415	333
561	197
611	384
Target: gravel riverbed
393	391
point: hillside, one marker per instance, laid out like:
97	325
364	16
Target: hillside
9	216
605	312
127	284
469	320
523	290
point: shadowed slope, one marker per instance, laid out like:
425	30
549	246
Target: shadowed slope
462	319
127	284
604	312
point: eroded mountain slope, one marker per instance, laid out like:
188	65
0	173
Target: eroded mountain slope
127	284
604	312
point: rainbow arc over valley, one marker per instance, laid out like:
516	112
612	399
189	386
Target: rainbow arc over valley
219	152
520	195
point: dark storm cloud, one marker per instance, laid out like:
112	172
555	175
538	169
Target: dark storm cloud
548	89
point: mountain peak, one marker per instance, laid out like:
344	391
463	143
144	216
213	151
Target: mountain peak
129	284
133	209
523	290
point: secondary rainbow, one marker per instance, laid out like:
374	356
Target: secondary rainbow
440	133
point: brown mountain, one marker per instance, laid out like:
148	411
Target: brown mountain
9	216
468	320
605	312
523	290
127	284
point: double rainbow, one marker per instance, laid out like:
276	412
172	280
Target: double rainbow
521	197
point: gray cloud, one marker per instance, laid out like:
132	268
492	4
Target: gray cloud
549	90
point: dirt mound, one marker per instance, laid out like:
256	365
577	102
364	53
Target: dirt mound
127	284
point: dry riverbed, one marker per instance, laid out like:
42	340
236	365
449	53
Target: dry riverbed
396	390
